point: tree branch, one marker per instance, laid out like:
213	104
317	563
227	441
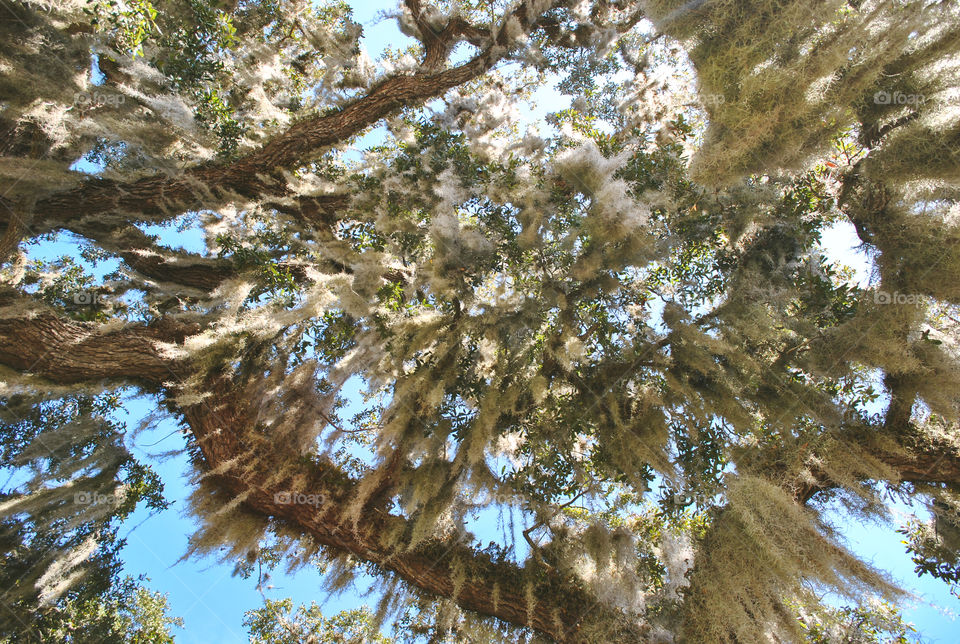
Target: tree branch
107	203
916	456
66	352
560	608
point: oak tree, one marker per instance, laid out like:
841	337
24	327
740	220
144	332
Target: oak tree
615	333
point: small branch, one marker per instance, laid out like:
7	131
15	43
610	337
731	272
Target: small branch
534	547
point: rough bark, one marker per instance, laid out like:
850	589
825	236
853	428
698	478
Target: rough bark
560	609
104	204
66	352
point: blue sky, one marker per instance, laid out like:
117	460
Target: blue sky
212	602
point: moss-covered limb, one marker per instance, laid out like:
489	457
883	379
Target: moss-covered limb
260	473
920	452
536	597
913	459
197	275
438	39
911	245
158	263
850	456
907	450
932	462
254	176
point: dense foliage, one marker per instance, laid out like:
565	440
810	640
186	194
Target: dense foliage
613	335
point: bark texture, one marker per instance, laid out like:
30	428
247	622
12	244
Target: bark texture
66	352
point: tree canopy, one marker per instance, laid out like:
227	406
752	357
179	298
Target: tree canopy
615	336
